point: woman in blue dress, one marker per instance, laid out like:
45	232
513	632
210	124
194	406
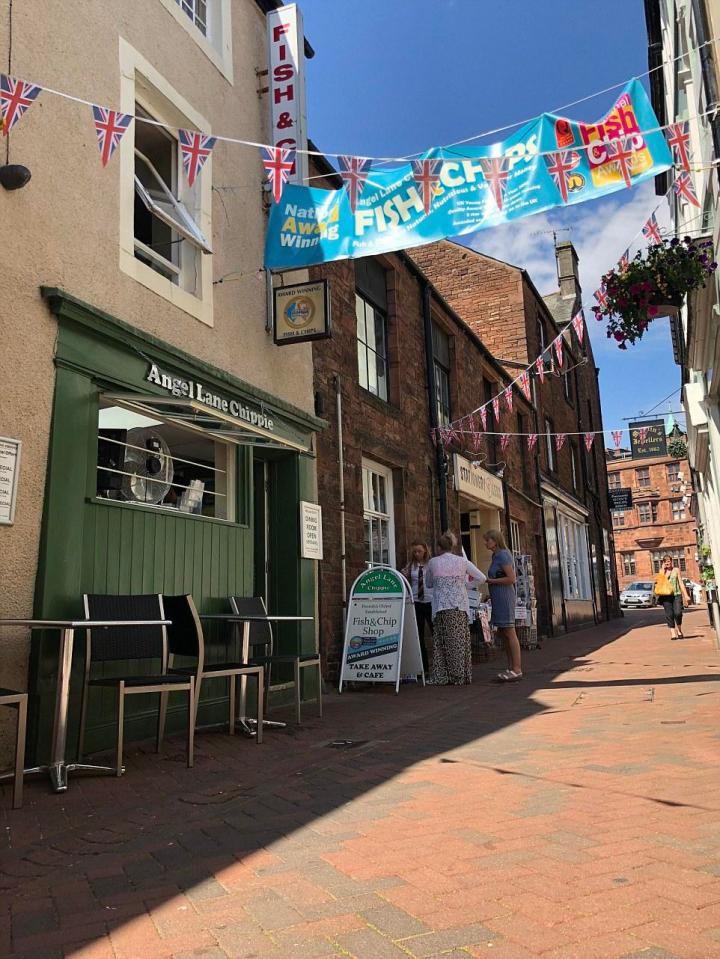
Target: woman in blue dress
501	583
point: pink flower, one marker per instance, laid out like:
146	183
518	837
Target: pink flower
652	310
619	335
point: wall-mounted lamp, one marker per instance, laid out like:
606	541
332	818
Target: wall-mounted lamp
14	176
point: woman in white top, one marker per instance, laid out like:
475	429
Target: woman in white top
414	572
447	575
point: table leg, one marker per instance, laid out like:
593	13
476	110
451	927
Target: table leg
247	723
57	769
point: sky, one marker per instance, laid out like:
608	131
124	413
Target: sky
392	77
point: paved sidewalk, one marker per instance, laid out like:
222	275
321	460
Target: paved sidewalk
574	815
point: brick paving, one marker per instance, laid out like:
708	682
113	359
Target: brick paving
574	815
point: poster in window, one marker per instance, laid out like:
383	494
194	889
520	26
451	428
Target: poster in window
311	542
647	439
301	312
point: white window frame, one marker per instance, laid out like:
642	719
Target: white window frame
680	509
618	518
550	439
141	83
515	537
614	481
389	515
575	561
216	42
628	564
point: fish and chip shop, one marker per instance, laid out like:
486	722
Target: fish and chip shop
165	475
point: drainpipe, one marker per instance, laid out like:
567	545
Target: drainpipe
341	477
440	458
708	69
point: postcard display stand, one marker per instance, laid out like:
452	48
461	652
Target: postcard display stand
526	603
381	635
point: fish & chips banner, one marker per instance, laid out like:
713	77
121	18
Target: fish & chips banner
451	191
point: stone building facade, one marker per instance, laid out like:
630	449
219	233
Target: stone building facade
659	522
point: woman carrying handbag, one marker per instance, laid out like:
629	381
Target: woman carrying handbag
672	595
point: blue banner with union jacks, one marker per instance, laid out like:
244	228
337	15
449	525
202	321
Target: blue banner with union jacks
451	191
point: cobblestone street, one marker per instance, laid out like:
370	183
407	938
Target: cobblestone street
573	815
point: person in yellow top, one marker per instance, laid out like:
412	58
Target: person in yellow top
672	595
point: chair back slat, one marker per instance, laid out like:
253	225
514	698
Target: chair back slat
117	642
185	636
260	632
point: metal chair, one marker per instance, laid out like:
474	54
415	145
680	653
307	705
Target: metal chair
19	701
136	643
186	638
261	635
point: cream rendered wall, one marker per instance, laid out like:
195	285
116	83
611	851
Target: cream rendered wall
63	230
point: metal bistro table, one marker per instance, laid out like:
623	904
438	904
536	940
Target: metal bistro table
245	722
59	767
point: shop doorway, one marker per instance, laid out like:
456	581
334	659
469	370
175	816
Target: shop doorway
473	523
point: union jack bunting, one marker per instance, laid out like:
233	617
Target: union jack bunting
477	439
560	441
483	417
524	384
109	127
643	432
559	353
589	440
683	186
601	297
195	148
624	261
620	153
496	408
532	439
279	163
354	171
578	324
508	394
678	138
558	166
427	177
495	170
617	437
651	230
540	368
16	96
504	441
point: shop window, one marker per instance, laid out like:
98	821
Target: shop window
673	472
676	555
618	518
165	225
678	510
165	233
515	537
550	445
441	366
628	561
575	561
614	481
372	327
642	477
378	514
163	465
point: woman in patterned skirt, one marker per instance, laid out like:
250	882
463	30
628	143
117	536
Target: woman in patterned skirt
447	575
501	583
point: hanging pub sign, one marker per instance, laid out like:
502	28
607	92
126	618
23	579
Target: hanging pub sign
381	635
647	439
301	312
620	499
286	64
9	469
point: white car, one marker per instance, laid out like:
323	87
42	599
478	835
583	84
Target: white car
638	595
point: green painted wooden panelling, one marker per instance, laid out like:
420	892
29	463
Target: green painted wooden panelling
90	545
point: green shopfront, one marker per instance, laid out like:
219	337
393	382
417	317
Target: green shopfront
165	475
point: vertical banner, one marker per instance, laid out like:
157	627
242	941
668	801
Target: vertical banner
286	65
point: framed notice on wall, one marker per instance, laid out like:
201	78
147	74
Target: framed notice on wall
9	472
301	313
311	544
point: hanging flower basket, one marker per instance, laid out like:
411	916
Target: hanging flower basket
653	285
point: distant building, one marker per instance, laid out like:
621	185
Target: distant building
660	522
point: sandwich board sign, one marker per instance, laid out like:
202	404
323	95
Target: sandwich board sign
381	634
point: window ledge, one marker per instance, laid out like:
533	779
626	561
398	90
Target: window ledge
384	406
158	510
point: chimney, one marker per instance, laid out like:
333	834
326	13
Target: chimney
567	270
